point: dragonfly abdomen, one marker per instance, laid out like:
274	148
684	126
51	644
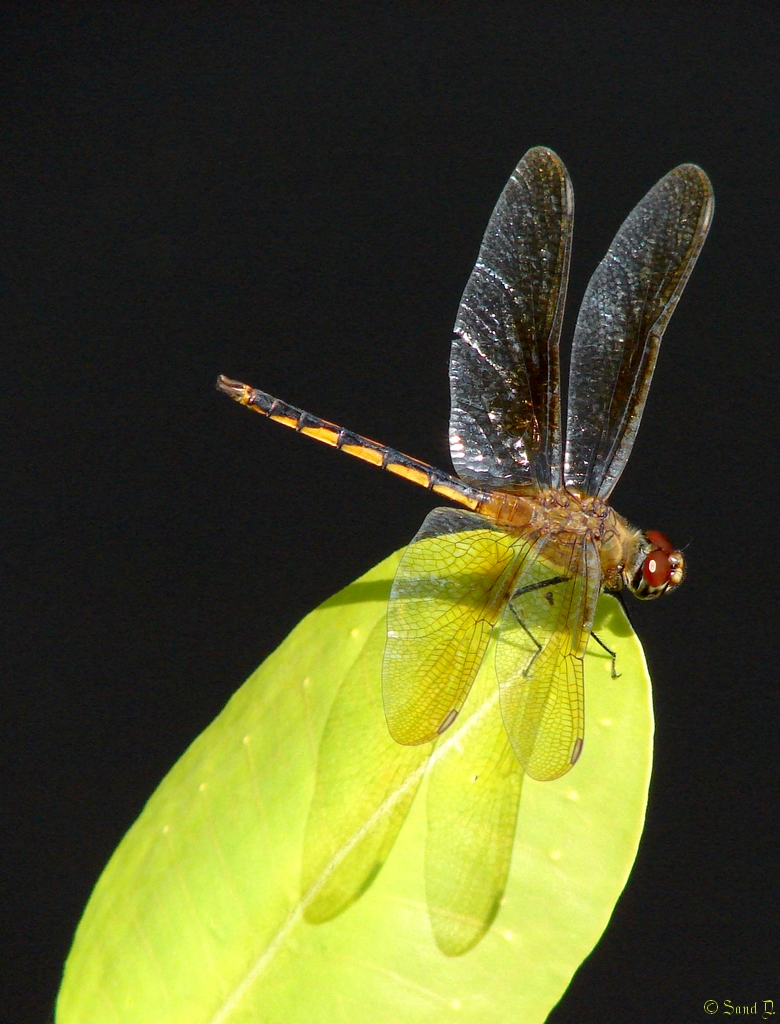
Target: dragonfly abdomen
360	447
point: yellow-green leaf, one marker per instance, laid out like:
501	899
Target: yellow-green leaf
206	911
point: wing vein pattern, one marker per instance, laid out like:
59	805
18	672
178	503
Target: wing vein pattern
624	313
448	592
543	634
504	367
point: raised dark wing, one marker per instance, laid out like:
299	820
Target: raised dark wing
446	597
541	645
504	367
625	311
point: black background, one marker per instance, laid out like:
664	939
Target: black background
294	195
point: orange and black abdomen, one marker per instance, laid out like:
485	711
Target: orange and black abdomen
364	448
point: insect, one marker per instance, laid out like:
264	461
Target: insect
535	541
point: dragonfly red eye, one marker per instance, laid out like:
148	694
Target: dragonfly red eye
660	541
657	569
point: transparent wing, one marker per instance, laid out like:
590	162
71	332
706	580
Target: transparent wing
364	788
473	800
626	308
504	367
541	644
446	597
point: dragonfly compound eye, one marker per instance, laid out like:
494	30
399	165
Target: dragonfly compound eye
657	568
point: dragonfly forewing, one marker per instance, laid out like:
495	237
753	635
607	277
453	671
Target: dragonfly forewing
543	635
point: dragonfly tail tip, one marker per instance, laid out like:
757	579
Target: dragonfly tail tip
233	388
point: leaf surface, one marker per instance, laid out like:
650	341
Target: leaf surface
200	916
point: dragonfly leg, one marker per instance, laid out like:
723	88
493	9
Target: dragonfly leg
610	652
519	593
624	605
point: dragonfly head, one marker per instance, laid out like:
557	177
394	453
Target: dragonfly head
657	568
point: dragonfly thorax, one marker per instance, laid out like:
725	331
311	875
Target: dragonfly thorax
645	564
555	512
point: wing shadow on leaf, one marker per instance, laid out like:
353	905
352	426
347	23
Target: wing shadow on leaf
364	789
472	806
365	785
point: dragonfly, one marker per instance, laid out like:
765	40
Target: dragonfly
534	542
539	541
